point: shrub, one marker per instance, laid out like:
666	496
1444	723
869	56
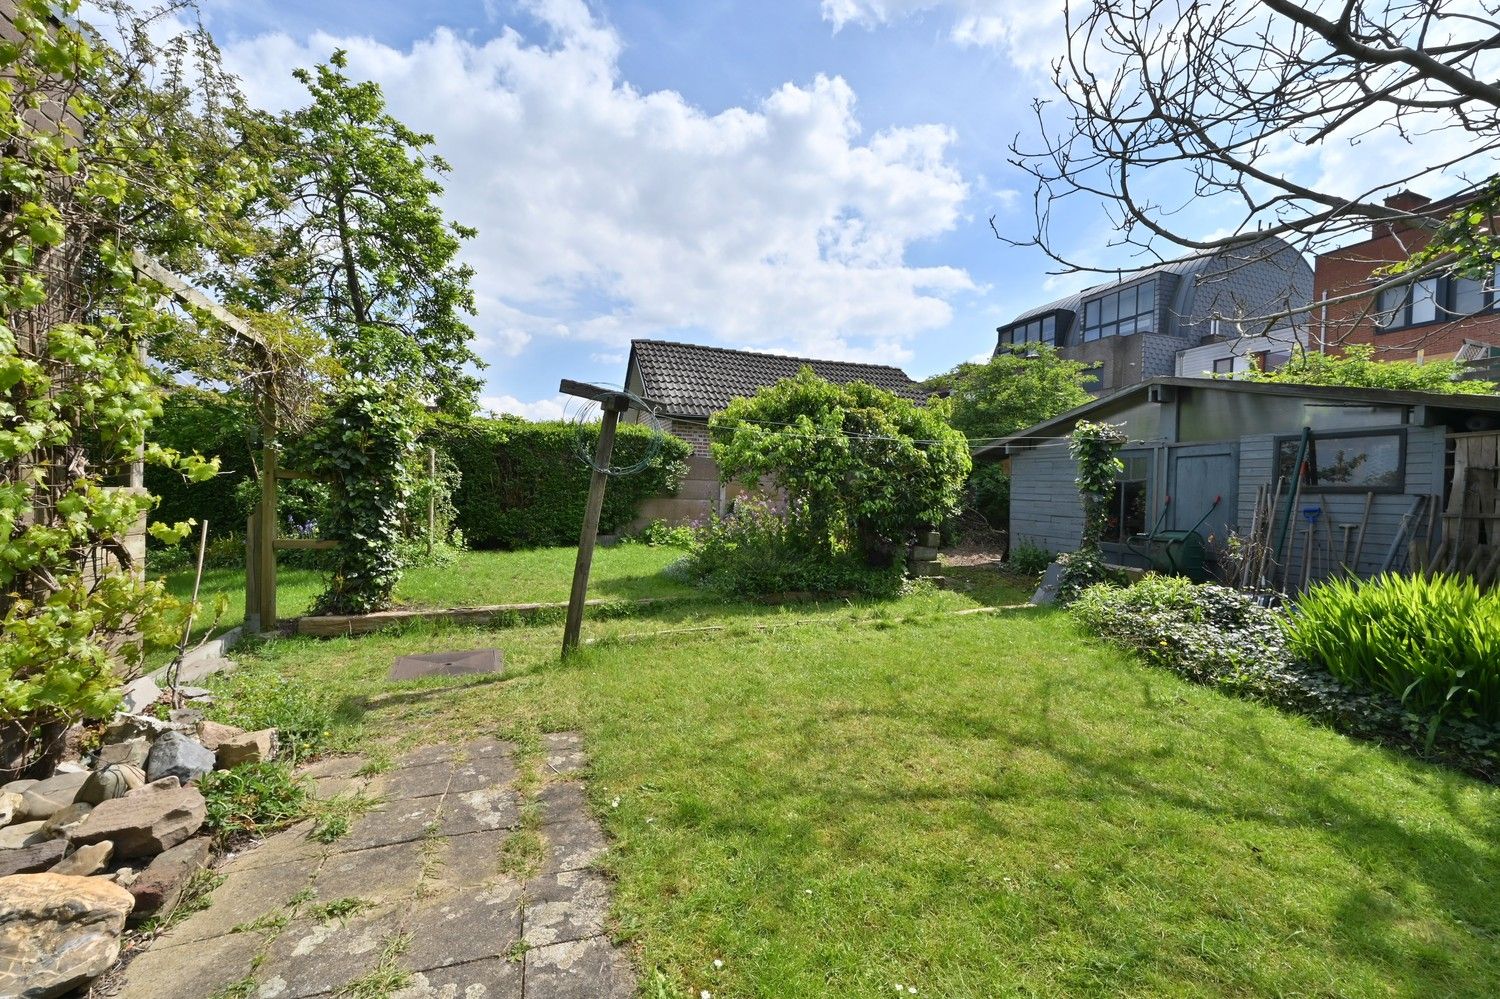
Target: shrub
1205	632
1431	642
659	533
868	469
258	696
1027	559
762	550
215	424
253	797
523	484
988	494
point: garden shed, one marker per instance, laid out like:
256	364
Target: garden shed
1387	473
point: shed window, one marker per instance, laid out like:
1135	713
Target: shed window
1121	313
1223	365
1127	512
1352	462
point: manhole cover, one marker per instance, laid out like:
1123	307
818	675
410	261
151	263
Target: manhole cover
448	664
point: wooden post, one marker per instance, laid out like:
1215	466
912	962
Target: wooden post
266	532
431	496
613	407
252	577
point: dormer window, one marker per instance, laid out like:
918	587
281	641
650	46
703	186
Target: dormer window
1120	313
1043	329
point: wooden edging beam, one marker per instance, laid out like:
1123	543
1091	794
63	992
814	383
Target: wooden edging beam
341	625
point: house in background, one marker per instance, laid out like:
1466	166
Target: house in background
691	382
1178	318
1437	317
1194	440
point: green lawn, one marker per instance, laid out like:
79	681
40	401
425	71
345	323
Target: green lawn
839	799
476	578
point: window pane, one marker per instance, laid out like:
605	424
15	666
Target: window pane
1126	327
1146	298
1468	296
1424	301
1223	365
1361	462
1109	308
1049	329
1390	307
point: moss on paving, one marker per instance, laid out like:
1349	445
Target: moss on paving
865	796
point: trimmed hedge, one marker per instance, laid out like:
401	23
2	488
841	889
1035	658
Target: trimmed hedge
214	424
524	484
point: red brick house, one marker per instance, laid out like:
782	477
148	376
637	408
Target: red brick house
1435	318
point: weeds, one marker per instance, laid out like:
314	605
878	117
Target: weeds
253	798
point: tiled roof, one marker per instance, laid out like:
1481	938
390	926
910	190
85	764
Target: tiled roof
689	379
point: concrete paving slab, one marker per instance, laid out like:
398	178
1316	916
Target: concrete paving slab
496	979
423	781
334	766
591	968
573	845
568	905
443	752
470	861
562	801
484	809
285	847
392	822
564	752
463	927
379	874
481	771
199	972
241	899
311	958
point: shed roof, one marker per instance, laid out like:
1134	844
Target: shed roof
693	380
1058	425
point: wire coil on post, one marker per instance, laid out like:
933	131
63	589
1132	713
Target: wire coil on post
584	416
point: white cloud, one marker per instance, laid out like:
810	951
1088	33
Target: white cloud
607	212
555	408
1029	32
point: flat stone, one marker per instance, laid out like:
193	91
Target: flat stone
469	926
145	822
45	797
180	756
70	767
592	968
159	886
139	695
425	755
392	822
252	747
295	843
379	874
129	726
241	899
472	860
195	693
476	811
313	958
568	905
57	933
85	861
18	787
483	771
65	820
10	803
573	845
212	734
31	859
493	979
446	664
133	751
324	788
203	971
19	834
333	766
114	781
415	782
186	719
562	801
564	752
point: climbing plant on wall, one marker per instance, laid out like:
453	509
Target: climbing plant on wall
84	170
1095	447
365	449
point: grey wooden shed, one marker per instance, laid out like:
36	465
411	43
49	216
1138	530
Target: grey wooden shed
1192	440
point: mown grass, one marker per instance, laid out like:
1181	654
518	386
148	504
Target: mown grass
840	799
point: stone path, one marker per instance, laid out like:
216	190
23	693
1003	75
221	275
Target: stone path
414	900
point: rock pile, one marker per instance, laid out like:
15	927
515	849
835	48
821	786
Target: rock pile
114	841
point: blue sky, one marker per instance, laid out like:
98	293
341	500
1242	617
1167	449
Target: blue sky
801	176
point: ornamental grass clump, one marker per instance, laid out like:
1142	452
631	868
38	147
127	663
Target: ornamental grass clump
1433	642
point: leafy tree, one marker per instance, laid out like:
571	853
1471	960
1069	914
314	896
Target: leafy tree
354	241
865	468
79	190
1356	367
1013	390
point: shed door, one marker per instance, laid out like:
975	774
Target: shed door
1196	474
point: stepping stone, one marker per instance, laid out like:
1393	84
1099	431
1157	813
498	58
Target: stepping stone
573	845
471	860
447	664
468	926
563	801
579	969
481	771
564	752
203	971
392	822
494	979
380	874
313	958
478	811
415	782
569	905
423	755
242	898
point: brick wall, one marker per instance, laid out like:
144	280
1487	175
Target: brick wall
1351	269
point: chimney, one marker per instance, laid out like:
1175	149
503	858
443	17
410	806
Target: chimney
1402	201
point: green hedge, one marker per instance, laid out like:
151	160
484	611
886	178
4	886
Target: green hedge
213	424
524	485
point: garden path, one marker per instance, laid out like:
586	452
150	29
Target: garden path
415	901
